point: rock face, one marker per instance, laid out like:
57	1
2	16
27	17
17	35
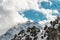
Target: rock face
29	34
22	31
53	31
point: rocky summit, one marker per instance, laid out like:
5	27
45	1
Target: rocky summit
34	31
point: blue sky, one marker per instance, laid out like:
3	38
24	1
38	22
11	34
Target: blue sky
39	16
34	15
55	5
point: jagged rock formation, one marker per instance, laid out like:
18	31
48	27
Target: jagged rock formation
53	31
17	30
29	34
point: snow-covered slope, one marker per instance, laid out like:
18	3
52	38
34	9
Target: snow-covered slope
17	28
53	25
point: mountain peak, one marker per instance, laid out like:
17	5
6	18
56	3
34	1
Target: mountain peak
17	28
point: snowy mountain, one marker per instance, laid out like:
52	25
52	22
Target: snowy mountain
34	31
17	28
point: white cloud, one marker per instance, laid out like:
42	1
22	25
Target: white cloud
31	20
9	15
55	12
